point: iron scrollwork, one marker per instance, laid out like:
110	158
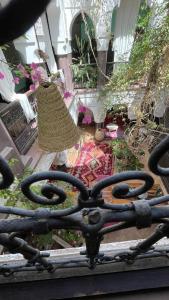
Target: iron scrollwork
91	215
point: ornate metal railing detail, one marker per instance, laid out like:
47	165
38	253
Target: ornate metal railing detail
91	215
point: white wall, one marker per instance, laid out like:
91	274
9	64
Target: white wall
61	15
34	40
27	46
90	100
125	25
132	98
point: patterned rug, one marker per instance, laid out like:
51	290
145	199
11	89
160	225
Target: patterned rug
94	161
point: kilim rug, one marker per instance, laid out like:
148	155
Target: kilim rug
94	161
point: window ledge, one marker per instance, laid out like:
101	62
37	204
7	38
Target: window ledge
104	268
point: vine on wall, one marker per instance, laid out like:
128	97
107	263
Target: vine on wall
148	68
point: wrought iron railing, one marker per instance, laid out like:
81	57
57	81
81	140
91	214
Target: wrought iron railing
89	215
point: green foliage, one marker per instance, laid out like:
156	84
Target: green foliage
148	68
125	159
143	17
74	238
85	75
118	109
15	197
43	241
81	49
147	50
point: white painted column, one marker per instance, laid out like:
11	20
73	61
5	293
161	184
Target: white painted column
27	46
126	20
48	45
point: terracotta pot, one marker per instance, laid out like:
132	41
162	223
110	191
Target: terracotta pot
99	135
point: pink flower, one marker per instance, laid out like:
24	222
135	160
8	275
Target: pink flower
20	67
26	74
34	66
1	76
82	109
67	94
16	80
87	119
32	87
36	75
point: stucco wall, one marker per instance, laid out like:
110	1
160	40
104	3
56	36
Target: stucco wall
65	12
61	16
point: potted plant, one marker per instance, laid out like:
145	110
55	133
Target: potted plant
124	158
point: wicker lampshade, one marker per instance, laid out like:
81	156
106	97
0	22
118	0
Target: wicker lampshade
56	128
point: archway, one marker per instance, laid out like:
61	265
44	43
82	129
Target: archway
84	65
80	39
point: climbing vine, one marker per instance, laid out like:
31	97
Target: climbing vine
148	68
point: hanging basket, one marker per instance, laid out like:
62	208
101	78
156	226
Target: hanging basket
56	128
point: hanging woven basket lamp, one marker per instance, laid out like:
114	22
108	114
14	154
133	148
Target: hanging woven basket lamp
56	128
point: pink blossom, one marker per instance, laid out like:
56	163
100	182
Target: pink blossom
34	66
87	119
26	74
1	76
20	67
36	75
67	94
82	109
32	87
16	80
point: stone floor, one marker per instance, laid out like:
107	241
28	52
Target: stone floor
35	153
128	234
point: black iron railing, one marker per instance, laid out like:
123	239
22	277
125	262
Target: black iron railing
89	215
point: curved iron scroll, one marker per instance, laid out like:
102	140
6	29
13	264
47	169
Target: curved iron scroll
90	215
